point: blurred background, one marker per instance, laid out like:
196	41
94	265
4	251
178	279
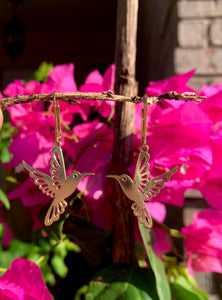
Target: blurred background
174	36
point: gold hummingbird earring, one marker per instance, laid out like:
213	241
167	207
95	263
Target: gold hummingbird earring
57	186
141	189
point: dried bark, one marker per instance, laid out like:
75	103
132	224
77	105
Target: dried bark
70	98
125	84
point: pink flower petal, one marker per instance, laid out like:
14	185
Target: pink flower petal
94	77
14	88
24	278
61	78
33	148
29	193
109	79
203	241
162	244
202	263
176	83
157	210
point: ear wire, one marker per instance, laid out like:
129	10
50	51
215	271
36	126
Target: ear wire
143	124
58	134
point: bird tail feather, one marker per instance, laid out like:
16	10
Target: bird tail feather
55	210
142	215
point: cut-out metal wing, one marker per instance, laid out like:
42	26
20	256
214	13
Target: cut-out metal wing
142	174
154	185
142	214
57	169
41	179
56	208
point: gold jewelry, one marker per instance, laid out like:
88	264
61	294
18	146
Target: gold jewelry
141	188
57	186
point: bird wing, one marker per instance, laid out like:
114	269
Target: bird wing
56	208
57	169
41	179
154	185
142	214
141	176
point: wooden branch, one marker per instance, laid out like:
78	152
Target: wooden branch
70	98
124	127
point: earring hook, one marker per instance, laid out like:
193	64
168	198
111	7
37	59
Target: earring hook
144	118
56	107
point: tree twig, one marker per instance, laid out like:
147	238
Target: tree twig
70	98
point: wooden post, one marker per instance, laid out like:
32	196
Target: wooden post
125	84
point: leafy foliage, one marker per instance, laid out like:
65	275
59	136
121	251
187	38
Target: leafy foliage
123	282
162	284
42	72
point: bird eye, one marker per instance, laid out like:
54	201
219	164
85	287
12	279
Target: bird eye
124	178
75	175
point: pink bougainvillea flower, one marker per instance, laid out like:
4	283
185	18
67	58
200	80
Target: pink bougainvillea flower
31	147
101	212
188	126
94	77
157	210
96	83
203	241
61	78
210	187
23	281
162	242
14	88
176	83
29	193
31	87
178	137
92	152
28	117
194	165
109	78
213	104
209	91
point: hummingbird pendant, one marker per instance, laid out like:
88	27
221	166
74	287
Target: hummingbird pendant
57	186
141	188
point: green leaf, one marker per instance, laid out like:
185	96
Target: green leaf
162	284
59	266
202	294
182	289
15	249
4	199
81	292
5	140
12	179
179	272
180	292
43	71
123	282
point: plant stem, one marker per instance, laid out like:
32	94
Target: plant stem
125	84
6	102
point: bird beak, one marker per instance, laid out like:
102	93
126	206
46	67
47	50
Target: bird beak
87	174
113	176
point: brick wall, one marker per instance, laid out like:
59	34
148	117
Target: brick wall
199	35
